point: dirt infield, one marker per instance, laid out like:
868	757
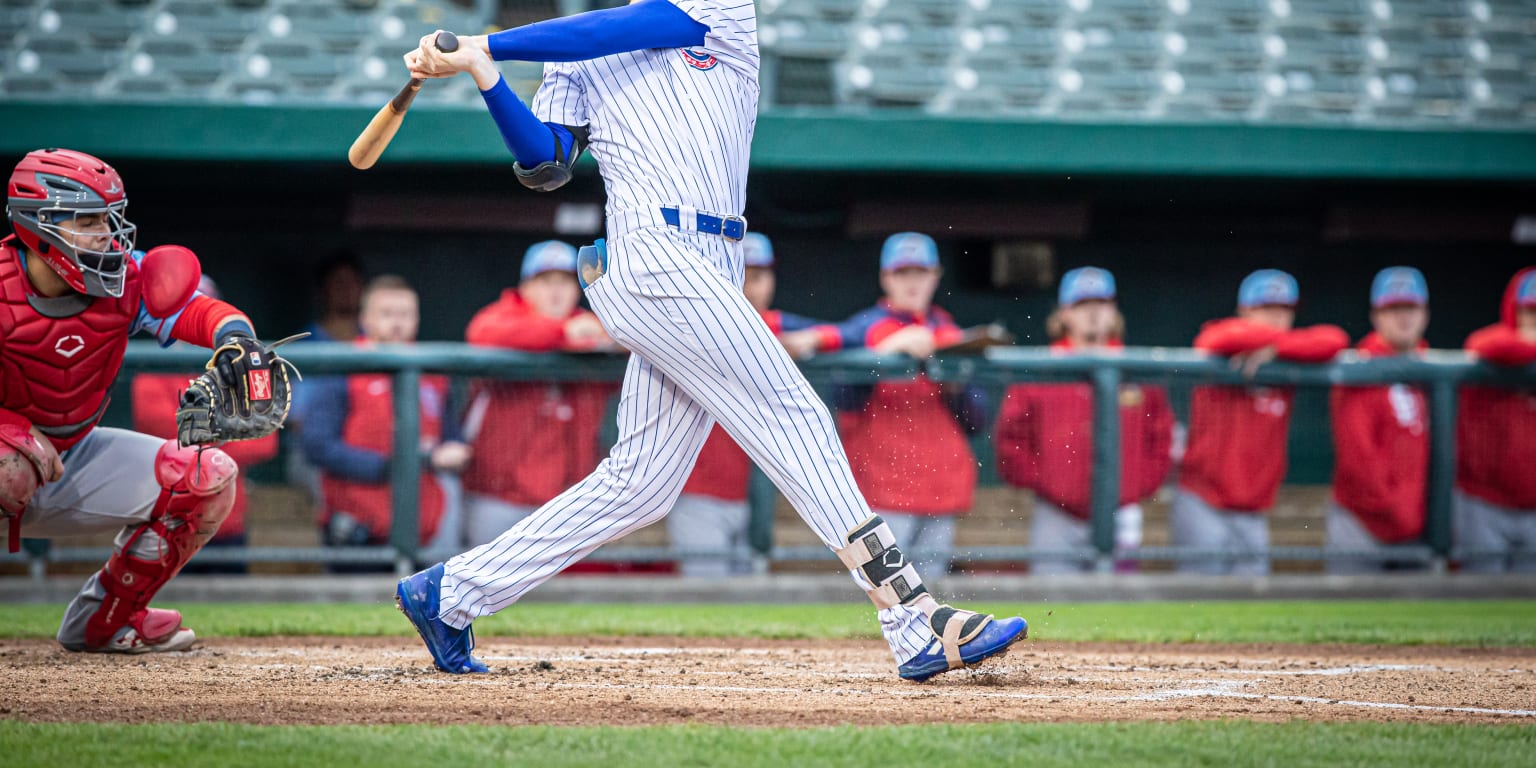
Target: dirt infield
640	681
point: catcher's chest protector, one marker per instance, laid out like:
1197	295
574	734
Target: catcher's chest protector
58	371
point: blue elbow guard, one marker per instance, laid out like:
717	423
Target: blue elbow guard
553	174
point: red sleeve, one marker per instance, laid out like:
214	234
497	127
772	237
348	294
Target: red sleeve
831	340
881	330
1235	336
1159	417
1356	454
1501	345
497	326
1317	344
945	331
199	323
1015	457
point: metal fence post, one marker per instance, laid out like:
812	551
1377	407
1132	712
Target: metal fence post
1442	468
1106	461
405	470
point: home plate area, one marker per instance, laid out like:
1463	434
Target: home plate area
634	681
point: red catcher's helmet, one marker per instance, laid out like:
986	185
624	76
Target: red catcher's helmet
53	186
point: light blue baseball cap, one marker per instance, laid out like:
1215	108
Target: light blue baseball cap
548	256
1399	285
1525	296
1085	283
757	249
1268	287
909	249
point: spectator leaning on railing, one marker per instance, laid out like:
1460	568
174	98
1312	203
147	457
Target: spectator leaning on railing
1237	435
906	440
151	391
349	428
1381	435
1045	431
1495	506
712	513
532	440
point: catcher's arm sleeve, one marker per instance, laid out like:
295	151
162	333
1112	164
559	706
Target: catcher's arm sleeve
206	321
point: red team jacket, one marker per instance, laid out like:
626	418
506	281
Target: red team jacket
907	449
1496	428
1381	453
1237	435
532	441
723	470
370	425
154	413
1045	441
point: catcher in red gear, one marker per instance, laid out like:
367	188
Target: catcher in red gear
72	290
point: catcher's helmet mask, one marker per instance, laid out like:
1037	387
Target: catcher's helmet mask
52	187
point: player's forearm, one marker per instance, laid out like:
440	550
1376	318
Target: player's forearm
207	321
527	138
595	34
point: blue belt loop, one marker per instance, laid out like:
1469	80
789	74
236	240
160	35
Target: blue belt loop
729	227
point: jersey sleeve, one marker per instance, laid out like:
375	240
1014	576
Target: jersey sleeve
732	26
561	98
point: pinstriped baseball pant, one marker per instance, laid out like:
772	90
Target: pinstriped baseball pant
701	353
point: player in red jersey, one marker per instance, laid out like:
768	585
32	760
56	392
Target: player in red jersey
72	290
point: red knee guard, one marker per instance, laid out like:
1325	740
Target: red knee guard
197	491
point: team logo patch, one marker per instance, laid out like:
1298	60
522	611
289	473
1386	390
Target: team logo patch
69	346
261	385
699	60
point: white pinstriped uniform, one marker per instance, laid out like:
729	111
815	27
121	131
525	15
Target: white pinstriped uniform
670	127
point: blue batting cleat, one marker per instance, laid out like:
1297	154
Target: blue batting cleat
417	598
994	638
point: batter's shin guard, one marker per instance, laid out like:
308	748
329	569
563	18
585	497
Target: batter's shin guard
197	490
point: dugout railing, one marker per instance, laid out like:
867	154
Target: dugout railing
1439	373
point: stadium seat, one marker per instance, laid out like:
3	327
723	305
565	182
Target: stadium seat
106	25
1125	14
1217	95
219	27
892	81
191	65
338	29
804	36
1337	16
1238	15
796	81
1040	14
1323	50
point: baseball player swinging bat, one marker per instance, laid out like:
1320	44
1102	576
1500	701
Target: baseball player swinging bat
381	129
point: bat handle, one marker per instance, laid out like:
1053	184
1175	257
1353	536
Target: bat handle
446	41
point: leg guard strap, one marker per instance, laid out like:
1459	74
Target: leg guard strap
873	551
955	627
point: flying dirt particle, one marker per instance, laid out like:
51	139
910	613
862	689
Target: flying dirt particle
543	666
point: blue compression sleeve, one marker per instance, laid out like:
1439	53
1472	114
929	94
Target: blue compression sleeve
594	34
529	140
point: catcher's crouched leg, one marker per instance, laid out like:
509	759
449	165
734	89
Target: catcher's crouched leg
961	637
197	492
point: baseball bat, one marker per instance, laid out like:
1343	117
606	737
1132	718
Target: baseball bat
381	129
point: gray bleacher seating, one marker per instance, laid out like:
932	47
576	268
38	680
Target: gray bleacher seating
104	24
831	10
191	66
1339	16
1321	50
216	26
1219	48
1041	14
339	29
891	80
1107	50
803	36
1125	14
1211	94
1244	15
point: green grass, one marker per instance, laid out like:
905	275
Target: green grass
1232	743
1463	623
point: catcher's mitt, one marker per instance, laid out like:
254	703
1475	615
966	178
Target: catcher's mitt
244	394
